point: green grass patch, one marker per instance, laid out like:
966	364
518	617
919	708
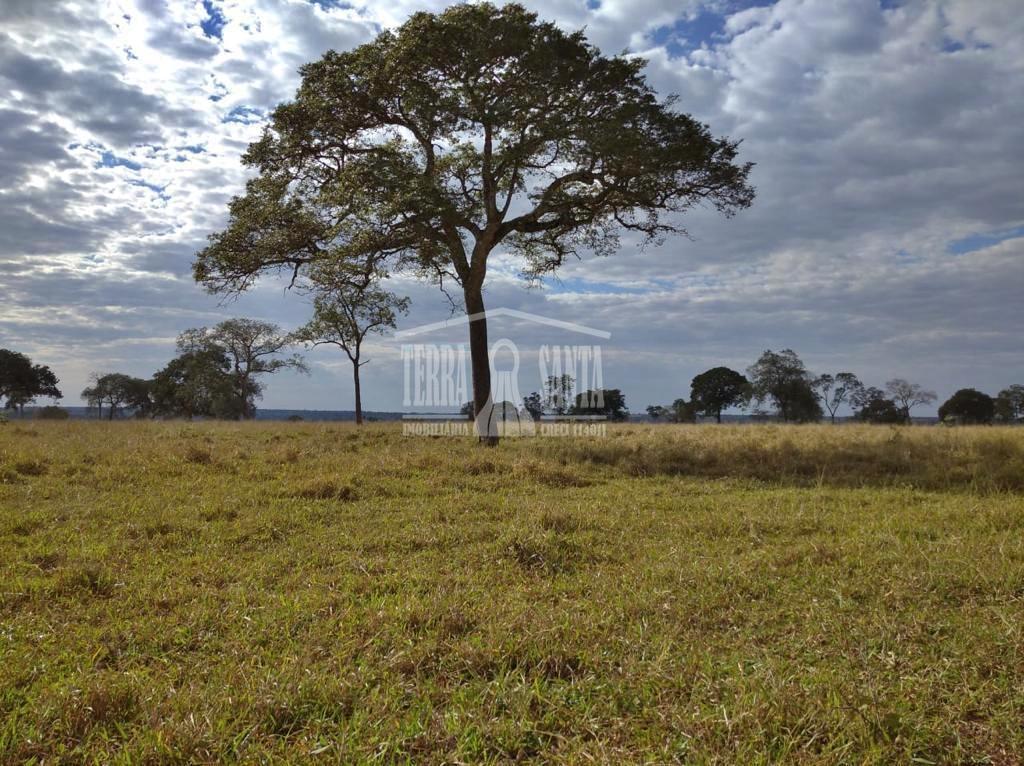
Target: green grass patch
210	593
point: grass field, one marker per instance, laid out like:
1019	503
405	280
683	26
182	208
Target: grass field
302	593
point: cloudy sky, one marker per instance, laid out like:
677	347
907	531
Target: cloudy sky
887	236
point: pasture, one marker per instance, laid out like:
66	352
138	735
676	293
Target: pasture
220	592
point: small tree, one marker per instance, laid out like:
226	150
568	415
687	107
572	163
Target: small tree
1010	405
533	404
118	392
609	402
343	315
252	348
680	411
683	411
836	390
968	406
460	133
21	382
871	406
718	389
908	395
783	379
657	411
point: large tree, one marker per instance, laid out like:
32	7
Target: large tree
199	382
718	389
459	133
252	348
968	406
782	378
343	315
908	395
21	381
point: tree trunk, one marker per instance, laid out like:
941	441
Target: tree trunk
359	398
481	363
718	417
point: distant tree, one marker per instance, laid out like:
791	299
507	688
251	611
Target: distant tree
680	411
609	402
468	411
657	411
252	348
782	378
21	382
52	412
838	389
968	406
343	315
534	405
558	397
872	406
1010	404
683	411
718	389
197	383
118	392
461	133
908	395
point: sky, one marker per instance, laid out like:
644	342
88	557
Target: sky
887	236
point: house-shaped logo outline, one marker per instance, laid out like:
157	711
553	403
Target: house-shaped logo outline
465	319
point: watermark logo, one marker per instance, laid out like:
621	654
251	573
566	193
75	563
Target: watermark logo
547	382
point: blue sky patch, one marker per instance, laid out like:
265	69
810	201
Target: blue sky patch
578	285
111	160
686	34
329	4
214	24
981	241
244	114
153	187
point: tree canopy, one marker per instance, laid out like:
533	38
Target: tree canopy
21	381
968	406
872	406
251	348
836	390
607	402
1009	405
118	391
457	133
199	383
782	378
717	389
908	395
